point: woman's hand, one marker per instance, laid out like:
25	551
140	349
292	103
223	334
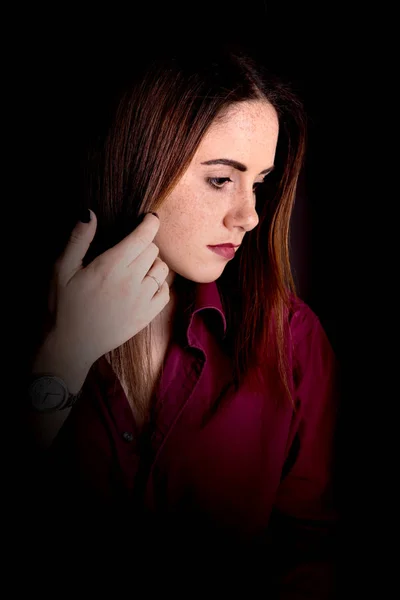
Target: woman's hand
99	307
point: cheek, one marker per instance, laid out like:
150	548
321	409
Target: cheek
186	213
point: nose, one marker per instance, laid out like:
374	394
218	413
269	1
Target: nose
243	213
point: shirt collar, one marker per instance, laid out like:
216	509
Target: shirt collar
206	297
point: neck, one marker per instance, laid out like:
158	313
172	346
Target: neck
164	319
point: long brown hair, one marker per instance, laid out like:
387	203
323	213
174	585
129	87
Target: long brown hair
159	122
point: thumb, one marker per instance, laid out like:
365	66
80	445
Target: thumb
78	244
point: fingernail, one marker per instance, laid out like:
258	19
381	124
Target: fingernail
140	218
85	216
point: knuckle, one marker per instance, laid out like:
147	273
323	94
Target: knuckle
155	248
142	240
102	268
74	238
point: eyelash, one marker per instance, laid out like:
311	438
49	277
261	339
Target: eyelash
212	183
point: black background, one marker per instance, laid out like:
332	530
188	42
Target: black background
338	59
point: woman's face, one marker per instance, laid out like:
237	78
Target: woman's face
215	203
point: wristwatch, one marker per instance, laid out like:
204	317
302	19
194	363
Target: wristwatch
49	393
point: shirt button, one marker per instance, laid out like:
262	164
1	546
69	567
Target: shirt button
127	436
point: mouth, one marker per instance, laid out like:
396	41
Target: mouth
225	246
224	250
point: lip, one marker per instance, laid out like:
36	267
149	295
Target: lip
225	250
224	246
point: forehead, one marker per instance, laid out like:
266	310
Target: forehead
243	129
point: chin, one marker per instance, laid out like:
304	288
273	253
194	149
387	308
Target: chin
201	278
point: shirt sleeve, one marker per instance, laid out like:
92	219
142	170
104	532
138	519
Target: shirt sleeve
305	519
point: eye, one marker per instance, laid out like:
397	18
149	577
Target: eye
218	182
259	184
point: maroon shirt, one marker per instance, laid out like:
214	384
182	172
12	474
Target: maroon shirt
243	465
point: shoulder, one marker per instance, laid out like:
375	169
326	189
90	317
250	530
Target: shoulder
303	321
311	347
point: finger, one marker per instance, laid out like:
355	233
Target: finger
128	249
144	262
160	298
159	270
78	244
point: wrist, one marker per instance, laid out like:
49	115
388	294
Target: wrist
57	357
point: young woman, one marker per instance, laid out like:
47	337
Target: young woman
182	386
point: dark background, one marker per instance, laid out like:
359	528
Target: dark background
70	66
338	60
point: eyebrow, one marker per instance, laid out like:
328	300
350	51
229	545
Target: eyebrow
235	164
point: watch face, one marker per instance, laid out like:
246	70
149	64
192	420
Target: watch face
48	393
